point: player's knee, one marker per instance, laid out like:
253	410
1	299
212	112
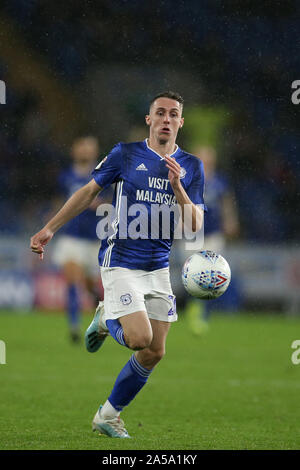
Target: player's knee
150	358
139	341
158	354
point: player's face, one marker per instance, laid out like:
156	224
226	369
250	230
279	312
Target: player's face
165	119
85	150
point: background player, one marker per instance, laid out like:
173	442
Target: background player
139	304
76	249
220	224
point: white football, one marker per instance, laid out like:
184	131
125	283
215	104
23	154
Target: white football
206	275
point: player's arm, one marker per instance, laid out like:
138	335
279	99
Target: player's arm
192	216
77	203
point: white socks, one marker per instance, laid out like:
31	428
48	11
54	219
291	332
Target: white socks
108	411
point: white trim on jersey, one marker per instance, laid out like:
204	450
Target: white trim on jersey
115	223
162	158
101	163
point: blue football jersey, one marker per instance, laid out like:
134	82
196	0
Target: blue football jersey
214	191
84	225
141	177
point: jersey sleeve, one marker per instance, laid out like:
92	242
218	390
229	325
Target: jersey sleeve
109	170
196	187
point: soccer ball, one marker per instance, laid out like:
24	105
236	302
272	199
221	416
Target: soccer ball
206	275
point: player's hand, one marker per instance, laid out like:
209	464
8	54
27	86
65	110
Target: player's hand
39	240
174	170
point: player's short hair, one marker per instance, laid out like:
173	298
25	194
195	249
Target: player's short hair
173	95
82	137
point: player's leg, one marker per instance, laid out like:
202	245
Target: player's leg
138	369
97	330
134	375
93	281
134	328
123	312
94	287
74	276
134	331
69	255
137	330
194	313
150	357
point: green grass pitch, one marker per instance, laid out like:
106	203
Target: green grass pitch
236	388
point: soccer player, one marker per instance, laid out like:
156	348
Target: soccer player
139	305
221	224
76	249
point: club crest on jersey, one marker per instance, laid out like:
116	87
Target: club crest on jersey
126	299
182	172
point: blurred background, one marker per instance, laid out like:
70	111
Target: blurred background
91	68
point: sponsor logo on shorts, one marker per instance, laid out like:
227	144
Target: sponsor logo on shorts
172	310
126	299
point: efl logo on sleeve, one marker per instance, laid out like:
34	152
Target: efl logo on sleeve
2	92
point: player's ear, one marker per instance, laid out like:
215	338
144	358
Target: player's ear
181	122
147	119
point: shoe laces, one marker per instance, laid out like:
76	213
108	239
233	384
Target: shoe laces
117	424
